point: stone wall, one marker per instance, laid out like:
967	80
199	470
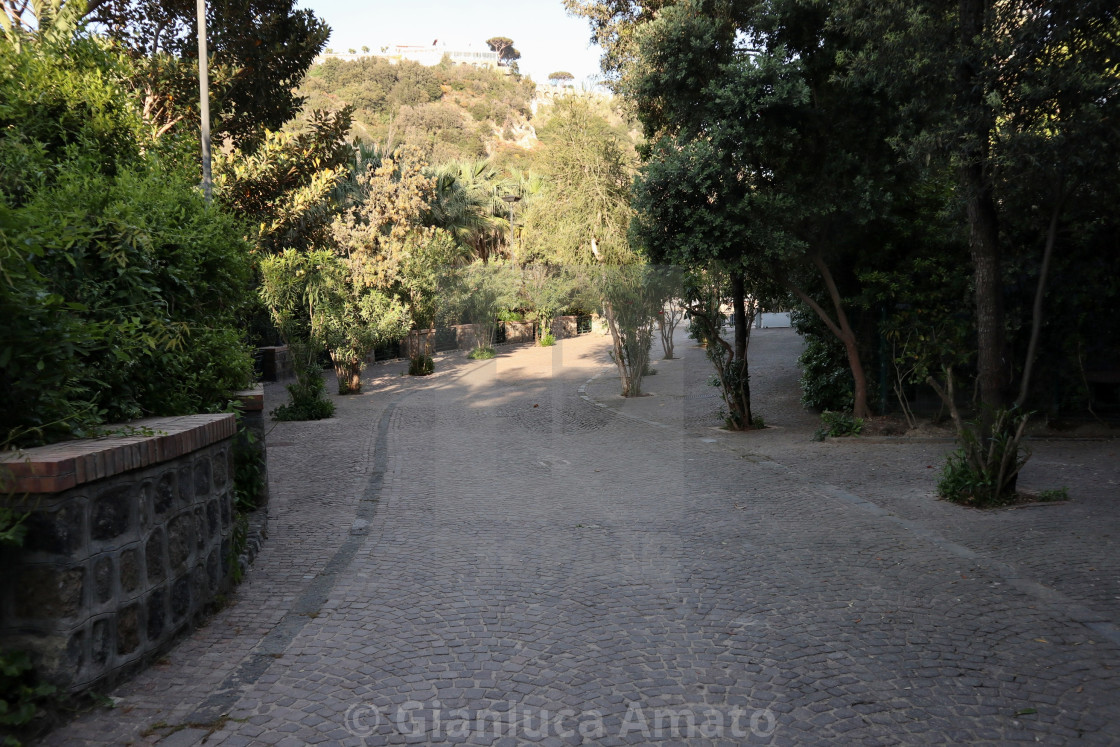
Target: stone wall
250	443
275	363
128	543
564	327
519	331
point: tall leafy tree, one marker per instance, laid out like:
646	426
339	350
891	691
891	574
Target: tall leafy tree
760	162
582	214
262	49
1017	98
286	188
389	249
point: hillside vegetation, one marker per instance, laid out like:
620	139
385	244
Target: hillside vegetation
450	112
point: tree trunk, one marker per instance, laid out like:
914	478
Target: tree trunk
993	364
624	374
349	375
843	331
740	371
355	374
860	408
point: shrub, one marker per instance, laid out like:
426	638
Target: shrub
125	287
983	472
826	383
838	424
421	366
548	339
21	693
307	397
482	354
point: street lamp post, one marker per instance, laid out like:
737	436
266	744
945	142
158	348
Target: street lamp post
511	200
204	97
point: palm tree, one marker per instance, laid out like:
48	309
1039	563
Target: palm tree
468	204
348	192
527	186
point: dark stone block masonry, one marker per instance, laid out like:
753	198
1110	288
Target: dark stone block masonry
114	568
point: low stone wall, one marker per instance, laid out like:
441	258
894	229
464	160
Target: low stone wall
250	444
564	327
276	363
519	331
464	336
129	541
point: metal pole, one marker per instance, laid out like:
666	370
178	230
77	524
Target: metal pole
510	200
204	97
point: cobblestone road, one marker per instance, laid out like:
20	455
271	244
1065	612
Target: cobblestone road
509	553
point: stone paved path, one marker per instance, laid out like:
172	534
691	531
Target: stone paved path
508	552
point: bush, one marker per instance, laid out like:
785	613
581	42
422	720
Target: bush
983	472
307	398
482	354
21	693
124	288
548	340
421	366
838	424
826	382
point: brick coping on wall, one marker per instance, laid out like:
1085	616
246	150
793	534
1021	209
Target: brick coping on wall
251	400
58	467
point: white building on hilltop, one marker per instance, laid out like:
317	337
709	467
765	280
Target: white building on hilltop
426	54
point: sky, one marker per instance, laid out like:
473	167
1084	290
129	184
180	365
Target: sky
548	38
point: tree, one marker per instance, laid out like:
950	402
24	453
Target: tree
388	249
467	202
503	45
695	198
561	78
633	295
285	187
707	288
54	22
546	290
1016	99
582	214
613	23
262	47
668	317
760	161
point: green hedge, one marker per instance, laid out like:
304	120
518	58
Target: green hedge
121	290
